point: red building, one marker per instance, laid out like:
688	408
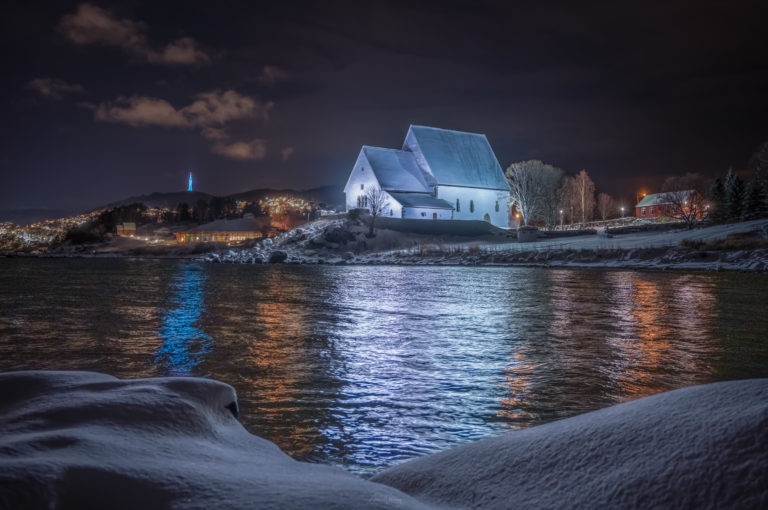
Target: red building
668	205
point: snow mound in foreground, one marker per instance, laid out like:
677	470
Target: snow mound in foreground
86	440
699	447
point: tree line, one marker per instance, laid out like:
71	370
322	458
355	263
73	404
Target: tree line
543	194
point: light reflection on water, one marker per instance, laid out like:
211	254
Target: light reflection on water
366	366
184	344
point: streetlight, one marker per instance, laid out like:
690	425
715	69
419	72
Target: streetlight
561	219
622	211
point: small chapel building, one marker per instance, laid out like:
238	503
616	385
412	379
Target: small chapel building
439	174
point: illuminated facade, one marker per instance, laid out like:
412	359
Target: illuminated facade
226	231
658	205
439	174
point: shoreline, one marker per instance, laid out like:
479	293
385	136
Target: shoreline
752	264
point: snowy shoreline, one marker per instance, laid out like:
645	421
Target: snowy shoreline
326	244
90	440
341	242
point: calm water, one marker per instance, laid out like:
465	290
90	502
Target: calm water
367	366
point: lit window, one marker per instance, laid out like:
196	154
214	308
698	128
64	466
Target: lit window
458	205
471	206
642	212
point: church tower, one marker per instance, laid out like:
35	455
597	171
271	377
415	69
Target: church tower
189	188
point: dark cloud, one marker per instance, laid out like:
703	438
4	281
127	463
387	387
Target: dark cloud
91	24
208	110
53	88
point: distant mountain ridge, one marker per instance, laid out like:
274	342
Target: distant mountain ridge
330	196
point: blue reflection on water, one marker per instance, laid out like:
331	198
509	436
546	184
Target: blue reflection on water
184	344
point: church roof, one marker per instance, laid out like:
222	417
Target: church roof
459	159
420	200
395	169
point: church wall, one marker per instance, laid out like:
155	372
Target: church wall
484	203
426	213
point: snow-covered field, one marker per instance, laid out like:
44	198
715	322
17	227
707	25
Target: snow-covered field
88	440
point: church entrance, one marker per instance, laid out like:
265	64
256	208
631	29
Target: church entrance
434	215
487	217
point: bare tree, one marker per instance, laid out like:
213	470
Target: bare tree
684	194
606	205
377	204
585	193
551	187
528	181
568	198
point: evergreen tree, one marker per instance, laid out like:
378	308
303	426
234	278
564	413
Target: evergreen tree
753	205
716	212
734	193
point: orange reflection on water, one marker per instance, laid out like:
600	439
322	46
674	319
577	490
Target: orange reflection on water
279	358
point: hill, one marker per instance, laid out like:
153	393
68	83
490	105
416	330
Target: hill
158	199
330	196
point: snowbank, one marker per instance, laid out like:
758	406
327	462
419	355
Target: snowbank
699	447
86	440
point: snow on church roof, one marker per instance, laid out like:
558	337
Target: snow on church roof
395	169
460	159
420	200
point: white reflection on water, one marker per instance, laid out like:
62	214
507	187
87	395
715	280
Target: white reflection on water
184	345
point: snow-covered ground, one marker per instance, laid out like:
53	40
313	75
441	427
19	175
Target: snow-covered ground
88	440
324	242
632	241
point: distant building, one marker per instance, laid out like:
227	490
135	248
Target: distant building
189	186
227	231
126	229
438	175
657	205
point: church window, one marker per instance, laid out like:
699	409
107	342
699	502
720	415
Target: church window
423	214
458	205
497	206
362	186
471	206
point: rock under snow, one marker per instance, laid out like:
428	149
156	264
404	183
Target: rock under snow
699	447
77	440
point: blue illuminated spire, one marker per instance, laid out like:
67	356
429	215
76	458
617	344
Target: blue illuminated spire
189	188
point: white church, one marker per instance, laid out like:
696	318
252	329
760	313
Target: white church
439	174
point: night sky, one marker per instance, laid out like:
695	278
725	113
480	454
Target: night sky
103	101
